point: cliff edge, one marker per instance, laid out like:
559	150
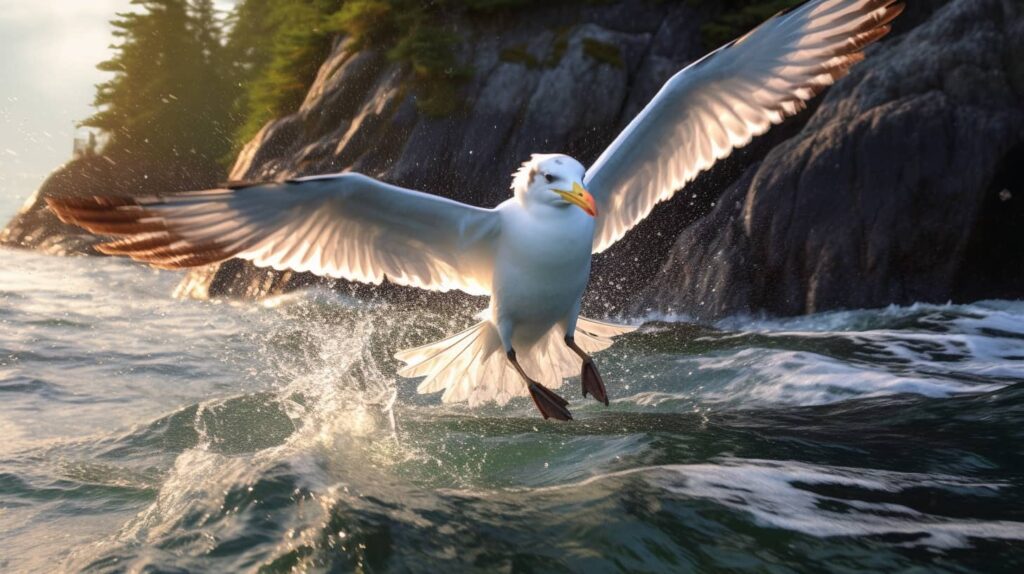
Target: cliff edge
901	184
906	185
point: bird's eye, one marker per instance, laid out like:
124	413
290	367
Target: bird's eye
550	178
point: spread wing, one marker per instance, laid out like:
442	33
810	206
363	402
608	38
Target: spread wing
722	101
346	226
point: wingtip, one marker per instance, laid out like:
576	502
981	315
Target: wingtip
896	9
55	208
886	16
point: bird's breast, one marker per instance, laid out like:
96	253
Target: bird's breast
543	265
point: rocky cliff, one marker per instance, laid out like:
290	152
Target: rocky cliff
900	185
565	85
802	244
906	185
35	227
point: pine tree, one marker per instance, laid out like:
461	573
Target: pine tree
214	86
184	88
279	46
252	28
172	88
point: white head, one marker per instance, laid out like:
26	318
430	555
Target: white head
553	179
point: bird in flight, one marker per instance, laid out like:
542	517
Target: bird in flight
531	254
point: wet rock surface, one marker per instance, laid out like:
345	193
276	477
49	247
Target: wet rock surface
904	186
901	184
568	85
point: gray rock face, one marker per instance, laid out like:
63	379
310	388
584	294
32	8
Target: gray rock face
902	184
33	227
534	89
906	185
551	96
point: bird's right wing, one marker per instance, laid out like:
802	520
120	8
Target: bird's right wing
346	226
722	101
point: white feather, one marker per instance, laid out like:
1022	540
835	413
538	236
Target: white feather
532	253
345	225
724	100
471	365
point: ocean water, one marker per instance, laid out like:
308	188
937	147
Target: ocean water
143	433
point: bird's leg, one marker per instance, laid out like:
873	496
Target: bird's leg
548	403
589	378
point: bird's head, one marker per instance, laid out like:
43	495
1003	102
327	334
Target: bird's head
553	179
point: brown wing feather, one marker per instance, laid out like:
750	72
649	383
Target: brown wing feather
343	225
148	238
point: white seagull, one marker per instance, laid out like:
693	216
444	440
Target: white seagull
531	254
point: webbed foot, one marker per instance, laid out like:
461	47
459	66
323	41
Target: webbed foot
549	403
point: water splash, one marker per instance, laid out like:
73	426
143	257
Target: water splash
204	435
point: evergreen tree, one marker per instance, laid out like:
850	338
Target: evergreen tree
172	87
252	29
278	46
185	88
216	86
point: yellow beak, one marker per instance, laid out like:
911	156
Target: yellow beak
579	197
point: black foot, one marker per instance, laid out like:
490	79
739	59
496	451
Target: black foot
592	382
548	403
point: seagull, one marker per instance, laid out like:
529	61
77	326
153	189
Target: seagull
531	254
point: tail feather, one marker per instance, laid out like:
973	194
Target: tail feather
423	360
471	365
600	331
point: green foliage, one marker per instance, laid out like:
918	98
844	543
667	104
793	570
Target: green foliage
184	86
519	55
603	52
558	47
430	51
367	22
736	17
410	33
169	96
491	6
280	45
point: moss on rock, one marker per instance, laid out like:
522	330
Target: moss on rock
519	55
732	18
603	52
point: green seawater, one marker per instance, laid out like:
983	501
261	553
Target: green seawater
146	434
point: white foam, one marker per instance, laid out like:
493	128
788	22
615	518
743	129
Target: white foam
930	350
771	377
773	493
858	319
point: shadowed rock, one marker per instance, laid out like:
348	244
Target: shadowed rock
36	227
905	186
902	184
534	89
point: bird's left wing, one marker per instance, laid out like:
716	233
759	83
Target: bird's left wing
345	226
722	101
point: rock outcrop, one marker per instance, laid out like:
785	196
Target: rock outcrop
36	227
568	84
906	185
902	184
532	90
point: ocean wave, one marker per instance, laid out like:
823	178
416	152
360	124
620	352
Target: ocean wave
826	501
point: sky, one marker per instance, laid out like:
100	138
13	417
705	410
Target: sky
50	49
